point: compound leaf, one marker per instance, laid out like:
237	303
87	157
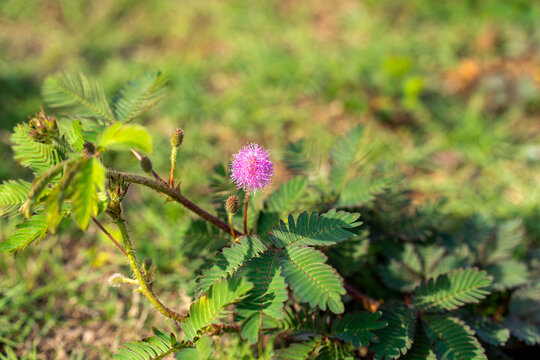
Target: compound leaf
77	95
395	339
326	229
311	279
210	308
139	95
452	290
451	338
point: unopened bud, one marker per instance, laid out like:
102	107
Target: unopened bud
118	279
146	164
177	138
89	149
232	204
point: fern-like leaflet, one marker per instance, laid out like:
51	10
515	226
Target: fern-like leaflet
311	279
326	229
210	308
154	347
452	290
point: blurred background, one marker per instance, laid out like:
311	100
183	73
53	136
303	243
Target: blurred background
448	91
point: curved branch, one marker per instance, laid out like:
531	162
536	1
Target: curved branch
175	195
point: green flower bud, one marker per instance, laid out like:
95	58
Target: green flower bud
146	164
118	279
232	204
177	138
43	128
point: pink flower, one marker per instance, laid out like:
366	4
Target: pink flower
251	168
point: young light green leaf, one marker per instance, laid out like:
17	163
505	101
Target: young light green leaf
86	186
12	196
32	154
33	229
77	95
122	136
139	95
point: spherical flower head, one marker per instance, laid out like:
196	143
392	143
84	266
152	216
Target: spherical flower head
251	168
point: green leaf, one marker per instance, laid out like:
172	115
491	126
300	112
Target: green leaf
524	302
86	185
326	229
363	190
404	270
33	229
283	201
421	348
489	331
76	95
32	154
451	338
121	136
188	354
358	328
345	156
396	338
508	274
139	95
311	279
331	350
452	290
298	351
229	261
153	347
76	136
268	294
525	331
302	320
12	196
509	236
210	308
524	318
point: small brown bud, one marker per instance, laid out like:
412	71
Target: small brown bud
232	204
146	164
89	149
177	138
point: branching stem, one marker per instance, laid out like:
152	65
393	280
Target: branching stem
175	195
144	287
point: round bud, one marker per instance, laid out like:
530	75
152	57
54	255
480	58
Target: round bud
232	204
118	279
146	164
177	138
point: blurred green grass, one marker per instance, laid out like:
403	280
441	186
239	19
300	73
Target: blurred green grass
448	91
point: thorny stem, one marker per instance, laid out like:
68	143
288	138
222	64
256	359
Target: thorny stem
175	195
102	228
173	163
245	211
144	287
